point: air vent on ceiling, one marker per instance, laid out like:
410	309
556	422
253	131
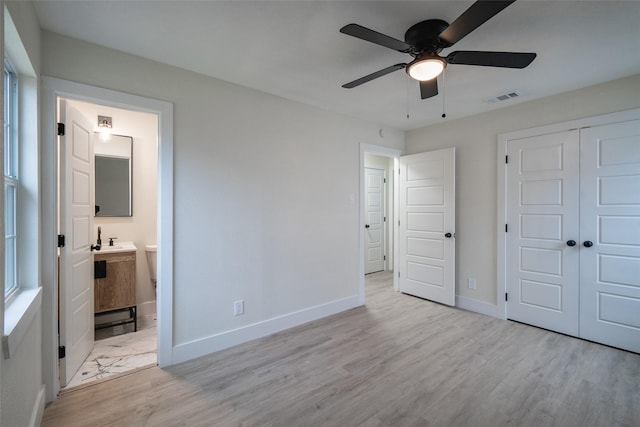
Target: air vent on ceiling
505	97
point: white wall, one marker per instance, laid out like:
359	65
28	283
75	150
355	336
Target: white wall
21	375
140	228
265	193
22	379
476	170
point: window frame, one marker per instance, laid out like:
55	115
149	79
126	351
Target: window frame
11	179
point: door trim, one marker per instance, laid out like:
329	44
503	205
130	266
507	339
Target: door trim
52	89
503	139
386	152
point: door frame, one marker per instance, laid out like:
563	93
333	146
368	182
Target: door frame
385	152
503	139
52	89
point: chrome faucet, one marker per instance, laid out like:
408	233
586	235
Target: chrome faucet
99	233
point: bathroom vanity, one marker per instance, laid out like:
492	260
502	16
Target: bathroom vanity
115	283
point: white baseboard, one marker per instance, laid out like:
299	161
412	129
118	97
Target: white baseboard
477	306
213	343
147	308
38	409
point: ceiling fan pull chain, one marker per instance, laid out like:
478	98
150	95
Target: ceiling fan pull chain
407	79
443	93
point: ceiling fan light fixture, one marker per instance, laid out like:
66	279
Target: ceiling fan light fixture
425	68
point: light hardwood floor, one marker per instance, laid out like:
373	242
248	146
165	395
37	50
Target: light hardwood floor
399	361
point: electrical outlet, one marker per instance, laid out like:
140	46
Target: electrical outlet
238	308
472	283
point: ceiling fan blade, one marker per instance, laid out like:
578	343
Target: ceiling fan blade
479	13
429	88
372	76
491	59
366	34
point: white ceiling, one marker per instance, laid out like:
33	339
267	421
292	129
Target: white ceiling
293	49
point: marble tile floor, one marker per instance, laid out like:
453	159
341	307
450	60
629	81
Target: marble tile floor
116	352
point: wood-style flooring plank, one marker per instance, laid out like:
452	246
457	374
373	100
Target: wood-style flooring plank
399	361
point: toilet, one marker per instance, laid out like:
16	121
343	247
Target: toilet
152	262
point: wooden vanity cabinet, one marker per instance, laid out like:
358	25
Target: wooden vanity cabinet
118	289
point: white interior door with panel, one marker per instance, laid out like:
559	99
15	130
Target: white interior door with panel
542	218
374	220
610	234
426	215
76	259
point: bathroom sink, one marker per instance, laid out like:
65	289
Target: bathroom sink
117	247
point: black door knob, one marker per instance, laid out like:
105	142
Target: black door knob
571	242
447	235
588	243
366	226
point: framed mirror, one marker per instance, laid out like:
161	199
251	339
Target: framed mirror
113	172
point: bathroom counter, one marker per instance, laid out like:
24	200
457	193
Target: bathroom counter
118	247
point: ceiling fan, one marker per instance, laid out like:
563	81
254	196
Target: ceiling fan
425	40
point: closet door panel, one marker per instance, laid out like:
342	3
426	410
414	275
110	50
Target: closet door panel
610	220
542	212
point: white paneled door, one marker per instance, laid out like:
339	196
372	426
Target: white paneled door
542	249
610	234
573	242
76	260
374	220
426	206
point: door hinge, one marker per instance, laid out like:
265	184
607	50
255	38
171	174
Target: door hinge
61	240
384	180
384	257
60	129
384	219
398	273
506	228
506	296
398	223
62	352
506	159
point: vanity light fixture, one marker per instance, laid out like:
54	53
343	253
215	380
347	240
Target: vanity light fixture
105	123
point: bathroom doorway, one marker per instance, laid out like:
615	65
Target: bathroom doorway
54	90
124	229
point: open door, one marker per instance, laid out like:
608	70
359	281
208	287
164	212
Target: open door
426	207
76	223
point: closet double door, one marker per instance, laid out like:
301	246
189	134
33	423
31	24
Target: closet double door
573	237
